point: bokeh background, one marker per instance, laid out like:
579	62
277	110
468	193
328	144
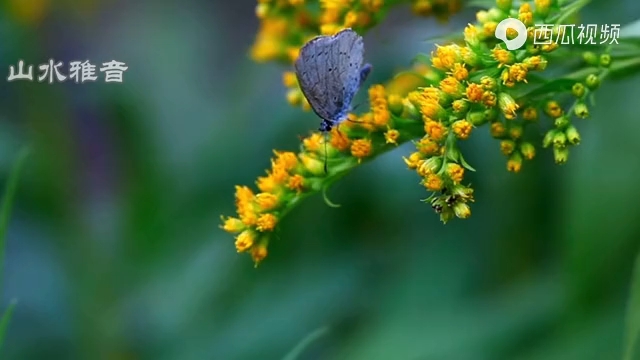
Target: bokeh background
114	250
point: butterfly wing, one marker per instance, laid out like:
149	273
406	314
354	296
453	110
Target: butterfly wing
326	69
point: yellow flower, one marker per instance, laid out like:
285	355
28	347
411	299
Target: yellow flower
455	172
338	140
258	253
503	56
460	72
350	19
285	159
294	97
433	182
498	130
450	85
245	240
471	35
508	105
489	28
427	146
489	98
462	210
445	57
514	164
266	222
528	150
413	160
435	130
313	143
266	201
296	182
553	109
462	129
266	183
391	136
232	225
289	79
361	148
507	146
474	92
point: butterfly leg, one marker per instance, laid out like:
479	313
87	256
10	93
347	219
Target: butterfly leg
326	125
364	72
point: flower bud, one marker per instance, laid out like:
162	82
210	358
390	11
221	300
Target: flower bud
559	140
581	110
528	150
572	135
560	155
548	138
592	81
514	164
562	122
462	210
476	118
605	60
578	90
590	58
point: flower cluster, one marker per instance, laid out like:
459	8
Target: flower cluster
286	25
439	102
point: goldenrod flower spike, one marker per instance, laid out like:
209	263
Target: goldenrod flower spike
443	99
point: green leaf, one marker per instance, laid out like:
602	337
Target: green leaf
304	343
633	314
4	321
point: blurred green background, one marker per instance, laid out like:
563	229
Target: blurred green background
114	250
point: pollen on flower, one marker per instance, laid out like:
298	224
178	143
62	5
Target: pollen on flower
361	148
450	85
245	240
489	28
427	146
232	225
433	182
391	136
455	172
296	182
338	140
462	129
314	142
445	57
266	201
285	159
489	99
435	130
460	72
504	57
266	222
518	72
474	92
266	183
471	34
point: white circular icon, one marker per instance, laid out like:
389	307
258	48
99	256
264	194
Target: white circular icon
511	23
